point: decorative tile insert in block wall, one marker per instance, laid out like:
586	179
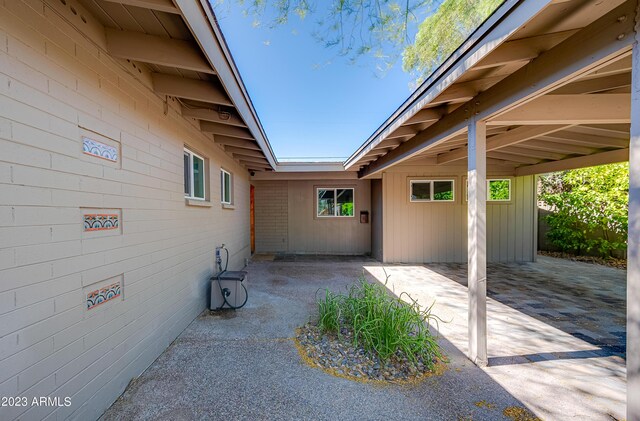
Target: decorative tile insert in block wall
98	149
103	295
101	221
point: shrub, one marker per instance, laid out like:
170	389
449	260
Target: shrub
380	323
589	208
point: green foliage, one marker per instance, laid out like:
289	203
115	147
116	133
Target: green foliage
346	209
499	189
381	323
589	208
443	32
444	195
354	27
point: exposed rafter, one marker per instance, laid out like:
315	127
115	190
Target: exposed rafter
593	85
402	131
225	130
156	50
522	49
198	90
554	145
577	138
428	115
516	150
238	143
602	158
512	157
207	114
242	151
502	140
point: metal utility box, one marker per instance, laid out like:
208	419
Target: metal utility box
232	286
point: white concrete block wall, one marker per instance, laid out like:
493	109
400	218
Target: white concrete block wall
55	82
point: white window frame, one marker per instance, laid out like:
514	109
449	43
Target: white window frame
222	187
192	178
431	190
335	197
489	199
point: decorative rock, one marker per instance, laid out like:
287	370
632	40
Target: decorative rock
336	354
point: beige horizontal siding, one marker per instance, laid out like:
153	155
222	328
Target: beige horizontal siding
53	83
437	232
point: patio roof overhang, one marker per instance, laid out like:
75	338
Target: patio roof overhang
180	44
551	80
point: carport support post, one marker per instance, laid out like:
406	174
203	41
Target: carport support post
633	248
477	241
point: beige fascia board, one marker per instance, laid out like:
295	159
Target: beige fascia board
302	167
320	175
200	19
505	21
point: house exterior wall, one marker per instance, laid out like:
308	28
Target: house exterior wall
55	86
271	212
304	231
437	232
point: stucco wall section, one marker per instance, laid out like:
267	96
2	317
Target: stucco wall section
53	81
437	232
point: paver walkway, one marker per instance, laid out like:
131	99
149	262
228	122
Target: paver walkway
243	365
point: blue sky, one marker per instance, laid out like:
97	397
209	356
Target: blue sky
311	101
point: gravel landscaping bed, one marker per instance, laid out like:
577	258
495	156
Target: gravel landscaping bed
611	261
338	356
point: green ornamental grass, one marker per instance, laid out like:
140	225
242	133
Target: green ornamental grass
381	323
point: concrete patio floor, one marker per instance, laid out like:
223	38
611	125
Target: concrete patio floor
556	347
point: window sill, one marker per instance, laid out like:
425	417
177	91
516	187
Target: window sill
199	203
228	206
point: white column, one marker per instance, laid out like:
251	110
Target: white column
477	241
633	248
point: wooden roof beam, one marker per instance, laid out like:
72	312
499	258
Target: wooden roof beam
402	131
516	150
587	140
427	115
524	49
513	157
225	130
252	159
590	86
208	114
245	152
570	109
166	6
554	145
156	50
198	90
235	142
502	140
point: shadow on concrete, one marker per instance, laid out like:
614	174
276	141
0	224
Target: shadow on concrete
247	367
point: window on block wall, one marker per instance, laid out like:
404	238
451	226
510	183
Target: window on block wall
335	202
194	175
226	187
